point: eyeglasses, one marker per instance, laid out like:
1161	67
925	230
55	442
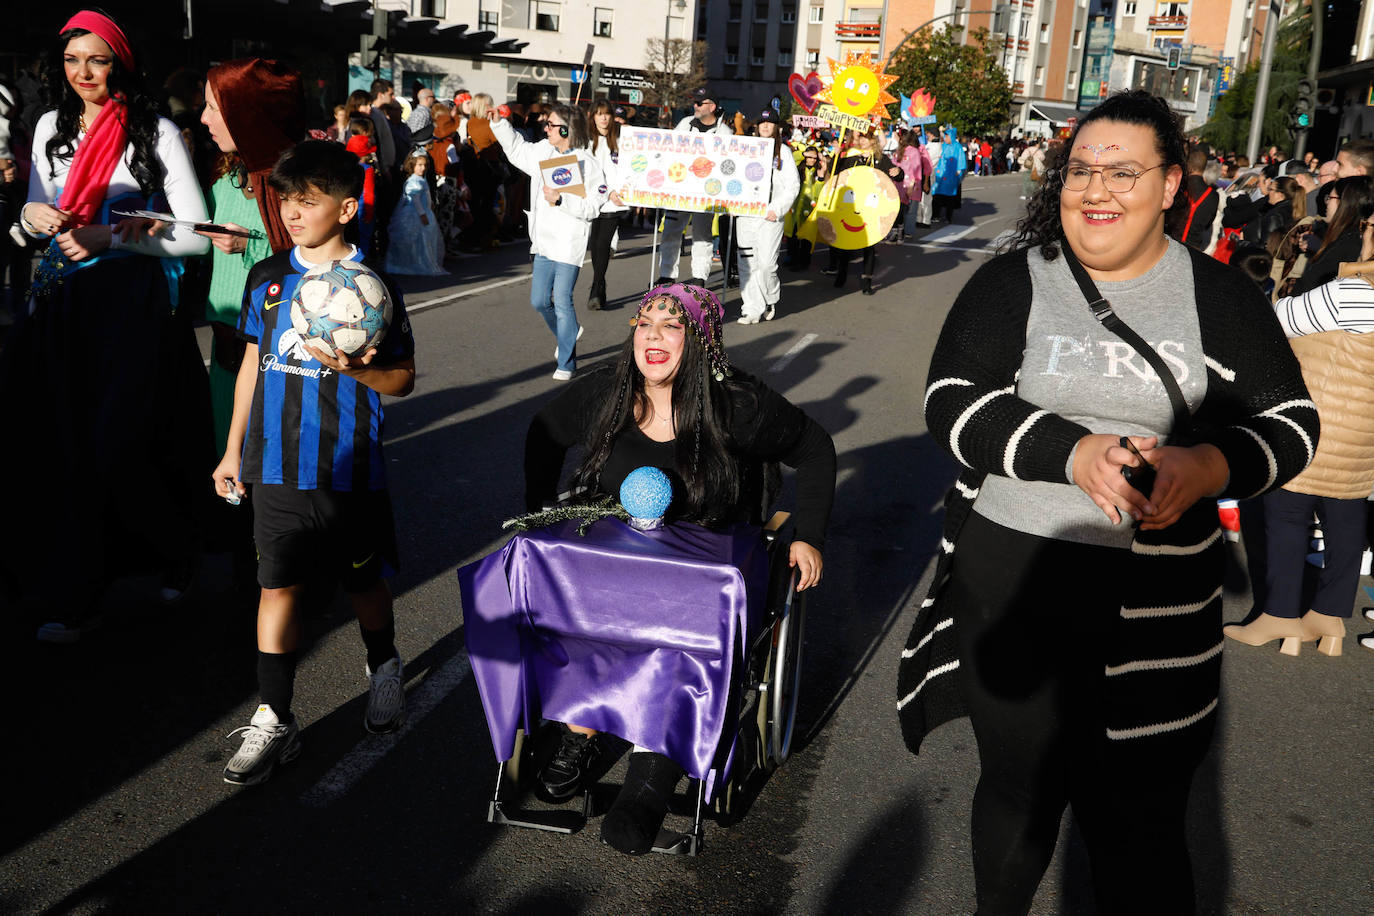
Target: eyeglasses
551	125
1116	178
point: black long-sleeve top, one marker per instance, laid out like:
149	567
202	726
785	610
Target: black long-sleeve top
763	427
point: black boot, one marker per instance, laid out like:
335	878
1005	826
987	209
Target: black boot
700	281
663	281
840	276
866	284
632	824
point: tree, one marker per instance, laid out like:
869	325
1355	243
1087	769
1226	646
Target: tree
971	89
673	68
1229	126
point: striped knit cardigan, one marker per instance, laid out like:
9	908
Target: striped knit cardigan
1164	667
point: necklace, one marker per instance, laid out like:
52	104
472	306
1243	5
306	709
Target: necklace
81	121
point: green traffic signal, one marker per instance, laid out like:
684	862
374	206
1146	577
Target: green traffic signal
1304	120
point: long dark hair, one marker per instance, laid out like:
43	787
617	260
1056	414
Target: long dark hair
612	130
1041	226
701	412
1356	196
141	124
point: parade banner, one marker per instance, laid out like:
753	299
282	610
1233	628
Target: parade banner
832	115
803	122
703	173
919	108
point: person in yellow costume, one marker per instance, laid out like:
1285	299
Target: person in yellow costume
811	171
864	151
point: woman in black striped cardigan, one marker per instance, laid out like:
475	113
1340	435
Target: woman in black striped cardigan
1086	649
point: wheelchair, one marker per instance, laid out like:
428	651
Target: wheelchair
764	684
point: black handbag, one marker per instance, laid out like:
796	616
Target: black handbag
1143	477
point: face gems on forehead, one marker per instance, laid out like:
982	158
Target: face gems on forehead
1097	149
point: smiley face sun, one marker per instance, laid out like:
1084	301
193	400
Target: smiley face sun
857	84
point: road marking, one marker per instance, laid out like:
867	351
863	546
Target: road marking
792	354
356	764
984	250
949	233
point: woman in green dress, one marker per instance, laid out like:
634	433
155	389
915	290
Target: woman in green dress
254	110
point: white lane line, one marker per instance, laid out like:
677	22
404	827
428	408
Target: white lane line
949	233
792	354
356	764
982	250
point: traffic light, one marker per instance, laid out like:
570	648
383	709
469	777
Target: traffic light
1175	57
1304	104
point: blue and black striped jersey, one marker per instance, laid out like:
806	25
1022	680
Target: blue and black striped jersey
310	428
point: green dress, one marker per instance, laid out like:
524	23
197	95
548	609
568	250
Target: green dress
227	279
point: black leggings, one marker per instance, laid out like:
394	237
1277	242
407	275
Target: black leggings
1033	618
839	259
599	247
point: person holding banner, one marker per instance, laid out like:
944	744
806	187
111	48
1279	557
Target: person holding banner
706	119
567	190
605	133
759	237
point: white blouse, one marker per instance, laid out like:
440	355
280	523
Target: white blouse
179	185
1344	304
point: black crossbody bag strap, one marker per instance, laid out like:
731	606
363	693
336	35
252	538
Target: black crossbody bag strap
1102	311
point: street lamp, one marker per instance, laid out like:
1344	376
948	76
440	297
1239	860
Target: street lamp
680	5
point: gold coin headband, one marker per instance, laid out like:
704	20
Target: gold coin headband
702	313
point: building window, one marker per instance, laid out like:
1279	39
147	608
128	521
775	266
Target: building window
489	16
601	21
1078	38
813	58
430	9
817	14
1072	84
789	16
732	57
1023	30
1128	8
1039	75
1173	9
785	57
544	15
756	58
761	11
735	10
1044	33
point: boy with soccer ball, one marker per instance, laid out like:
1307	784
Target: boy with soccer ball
306	436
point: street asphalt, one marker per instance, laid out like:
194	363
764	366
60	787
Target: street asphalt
116	744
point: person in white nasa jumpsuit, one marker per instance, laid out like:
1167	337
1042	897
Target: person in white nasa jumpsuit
706	120
758	238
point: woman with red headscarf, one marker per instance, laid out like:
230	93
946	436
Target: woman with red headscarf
103	375
254	110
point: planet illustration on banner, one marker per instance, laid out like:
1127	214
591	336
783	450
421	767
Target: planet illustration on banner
561	176
735	187
640	162
655	179
713	186
702	167
854	210
677	171
754	171
727	167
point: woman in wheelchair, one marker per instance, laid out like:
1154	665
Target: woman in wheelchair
671	400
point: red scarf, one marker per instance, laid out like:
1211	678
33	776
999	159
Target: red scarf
97	157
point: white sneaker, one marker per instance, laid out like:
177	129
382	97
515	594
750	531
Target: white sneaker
1369	613
772	310
580	329
1367	642
386	698
561	375
266	743
749	319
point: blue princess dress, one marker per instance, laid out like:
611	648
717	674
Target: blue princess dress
415	249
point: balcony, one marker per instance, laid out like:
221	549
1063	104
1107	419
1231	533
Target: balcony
1168	22
859	31
1020	44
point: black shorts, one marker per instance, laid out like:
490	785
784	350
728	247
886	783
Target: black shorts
303	533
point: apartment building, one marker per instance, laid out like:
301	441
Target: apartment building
558	37
751	49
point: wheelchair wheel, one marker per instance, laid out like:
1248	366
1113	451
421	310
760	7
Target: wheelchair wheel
784	676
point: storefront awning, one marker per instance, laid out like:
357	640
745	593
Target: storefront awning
1057	114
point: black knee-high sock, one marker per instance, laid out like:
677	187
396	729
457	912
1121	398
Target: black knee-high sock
632	824
381	644
277	681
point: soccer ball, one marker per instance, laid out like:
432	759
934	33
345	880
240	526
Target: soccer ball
341	306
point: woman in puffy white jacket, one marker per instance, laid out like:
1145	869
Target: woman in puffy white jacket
559	221
605	133
758	238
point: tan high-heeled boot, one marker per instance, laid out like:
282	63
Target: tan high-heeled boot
1267	628
1326	628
